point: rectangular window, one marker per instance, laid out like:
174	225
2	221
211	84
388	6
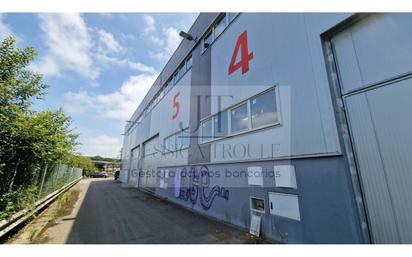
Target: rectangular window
176	77
208	39
182	70
185	138
220	124
135	153
206	130
189	63
220	26
170	84
179	73
166	145
166	87
170	143
239	118
179	139
151	147
263	109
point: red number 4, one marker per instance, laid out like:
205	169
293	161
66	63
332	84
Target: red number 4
245	57
176	105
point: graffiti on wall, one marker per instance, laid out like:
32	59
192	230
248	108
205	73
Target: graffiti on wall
194	185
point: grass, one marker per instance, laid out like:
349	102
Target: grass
251	239
63	206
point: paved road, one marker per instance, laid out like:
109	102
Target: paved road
106	212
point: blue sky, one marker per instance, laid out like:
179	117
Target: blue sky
98	66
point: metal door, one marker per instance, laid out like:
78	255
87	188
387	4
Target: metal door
151	152
373	58
134	167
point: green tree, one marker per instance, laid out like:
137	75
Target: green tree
28	140
82	162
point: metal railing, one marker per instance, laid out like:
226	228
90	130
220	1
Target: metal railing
54	178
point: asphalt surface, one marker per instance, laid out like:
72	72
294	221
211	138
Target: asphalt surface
110	213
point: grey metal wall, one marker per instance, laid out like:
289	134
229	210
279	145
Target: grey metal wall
288	52
327	210
200	107
374	61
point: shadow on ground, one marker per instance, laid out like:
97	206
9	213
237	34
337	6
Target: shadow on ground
112	214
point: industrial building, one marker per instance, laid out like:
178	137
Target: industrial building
294	125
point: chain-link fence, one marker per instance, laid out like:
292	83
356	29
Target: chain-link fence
54	178
46	180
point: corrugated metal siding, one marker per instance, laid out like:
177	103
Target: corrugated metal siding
372	174
390	108
373	59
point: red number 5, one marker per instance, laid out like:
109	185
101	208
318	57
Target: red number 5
246	57
176	105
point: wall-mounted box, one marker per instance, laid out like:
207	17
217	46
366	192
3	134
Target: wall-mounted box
255	176
257	204
285	176
284	205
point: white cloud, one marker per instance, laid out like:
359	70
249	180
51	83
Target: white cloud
5	29
172	39
141	67
102	145
127	37
108	44
48	66
138	66
117	105
106	15
69	45
165	37
123	17
73	46
149	24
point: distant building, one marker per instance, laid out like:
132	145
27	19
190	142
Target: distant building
106	166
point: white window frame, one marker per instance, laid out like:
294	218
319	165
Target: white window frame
250	129
212	35
144	145
277	122
213	120
187	61
248	115
201	139
188	130
219	19
256	210
166	151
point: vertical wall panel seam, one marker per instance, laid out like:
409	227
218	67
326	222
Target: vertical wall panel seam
383	166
